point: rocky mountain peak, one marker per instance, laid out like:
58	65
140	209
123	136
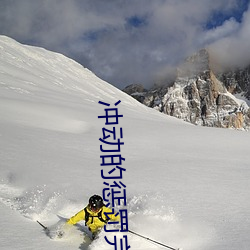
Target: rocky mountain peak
197	64
200	96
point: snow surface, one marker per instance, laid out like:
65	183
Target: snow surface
187	186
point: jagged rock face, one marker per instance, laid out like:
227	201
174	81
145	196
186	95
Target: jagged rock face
137	91
237	81
205	102
133	88
199	97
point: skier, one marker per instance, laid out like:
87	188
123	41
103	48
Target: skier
95	214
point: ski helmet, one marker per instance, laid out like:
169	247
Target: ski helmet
95	202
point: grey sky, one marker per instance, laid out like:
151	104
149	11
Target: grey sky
131	41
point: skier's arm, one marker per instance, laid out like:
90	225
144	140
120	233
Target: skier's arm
77	217
113	216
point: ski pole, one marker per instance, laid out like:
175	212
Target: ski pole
45	228
153	241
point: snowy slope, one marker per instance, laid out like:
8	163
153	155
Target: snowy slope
187	186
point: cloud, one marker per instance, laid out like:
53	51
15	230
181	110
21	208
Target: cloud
228	28
232	50
121	41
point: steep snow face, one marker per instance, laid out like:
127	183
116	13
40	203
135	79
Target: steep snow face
38	74
187	186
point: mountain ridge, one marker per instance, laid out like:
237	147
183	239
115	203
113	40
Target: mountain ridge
200	95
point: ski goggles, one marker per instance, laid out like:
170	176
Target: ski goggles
94	208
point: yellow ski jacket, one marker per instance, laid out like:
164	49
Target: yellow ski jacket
94	222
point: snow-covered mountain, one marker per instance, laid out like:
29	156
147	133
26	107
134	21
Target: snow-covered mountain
201	95
187	186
